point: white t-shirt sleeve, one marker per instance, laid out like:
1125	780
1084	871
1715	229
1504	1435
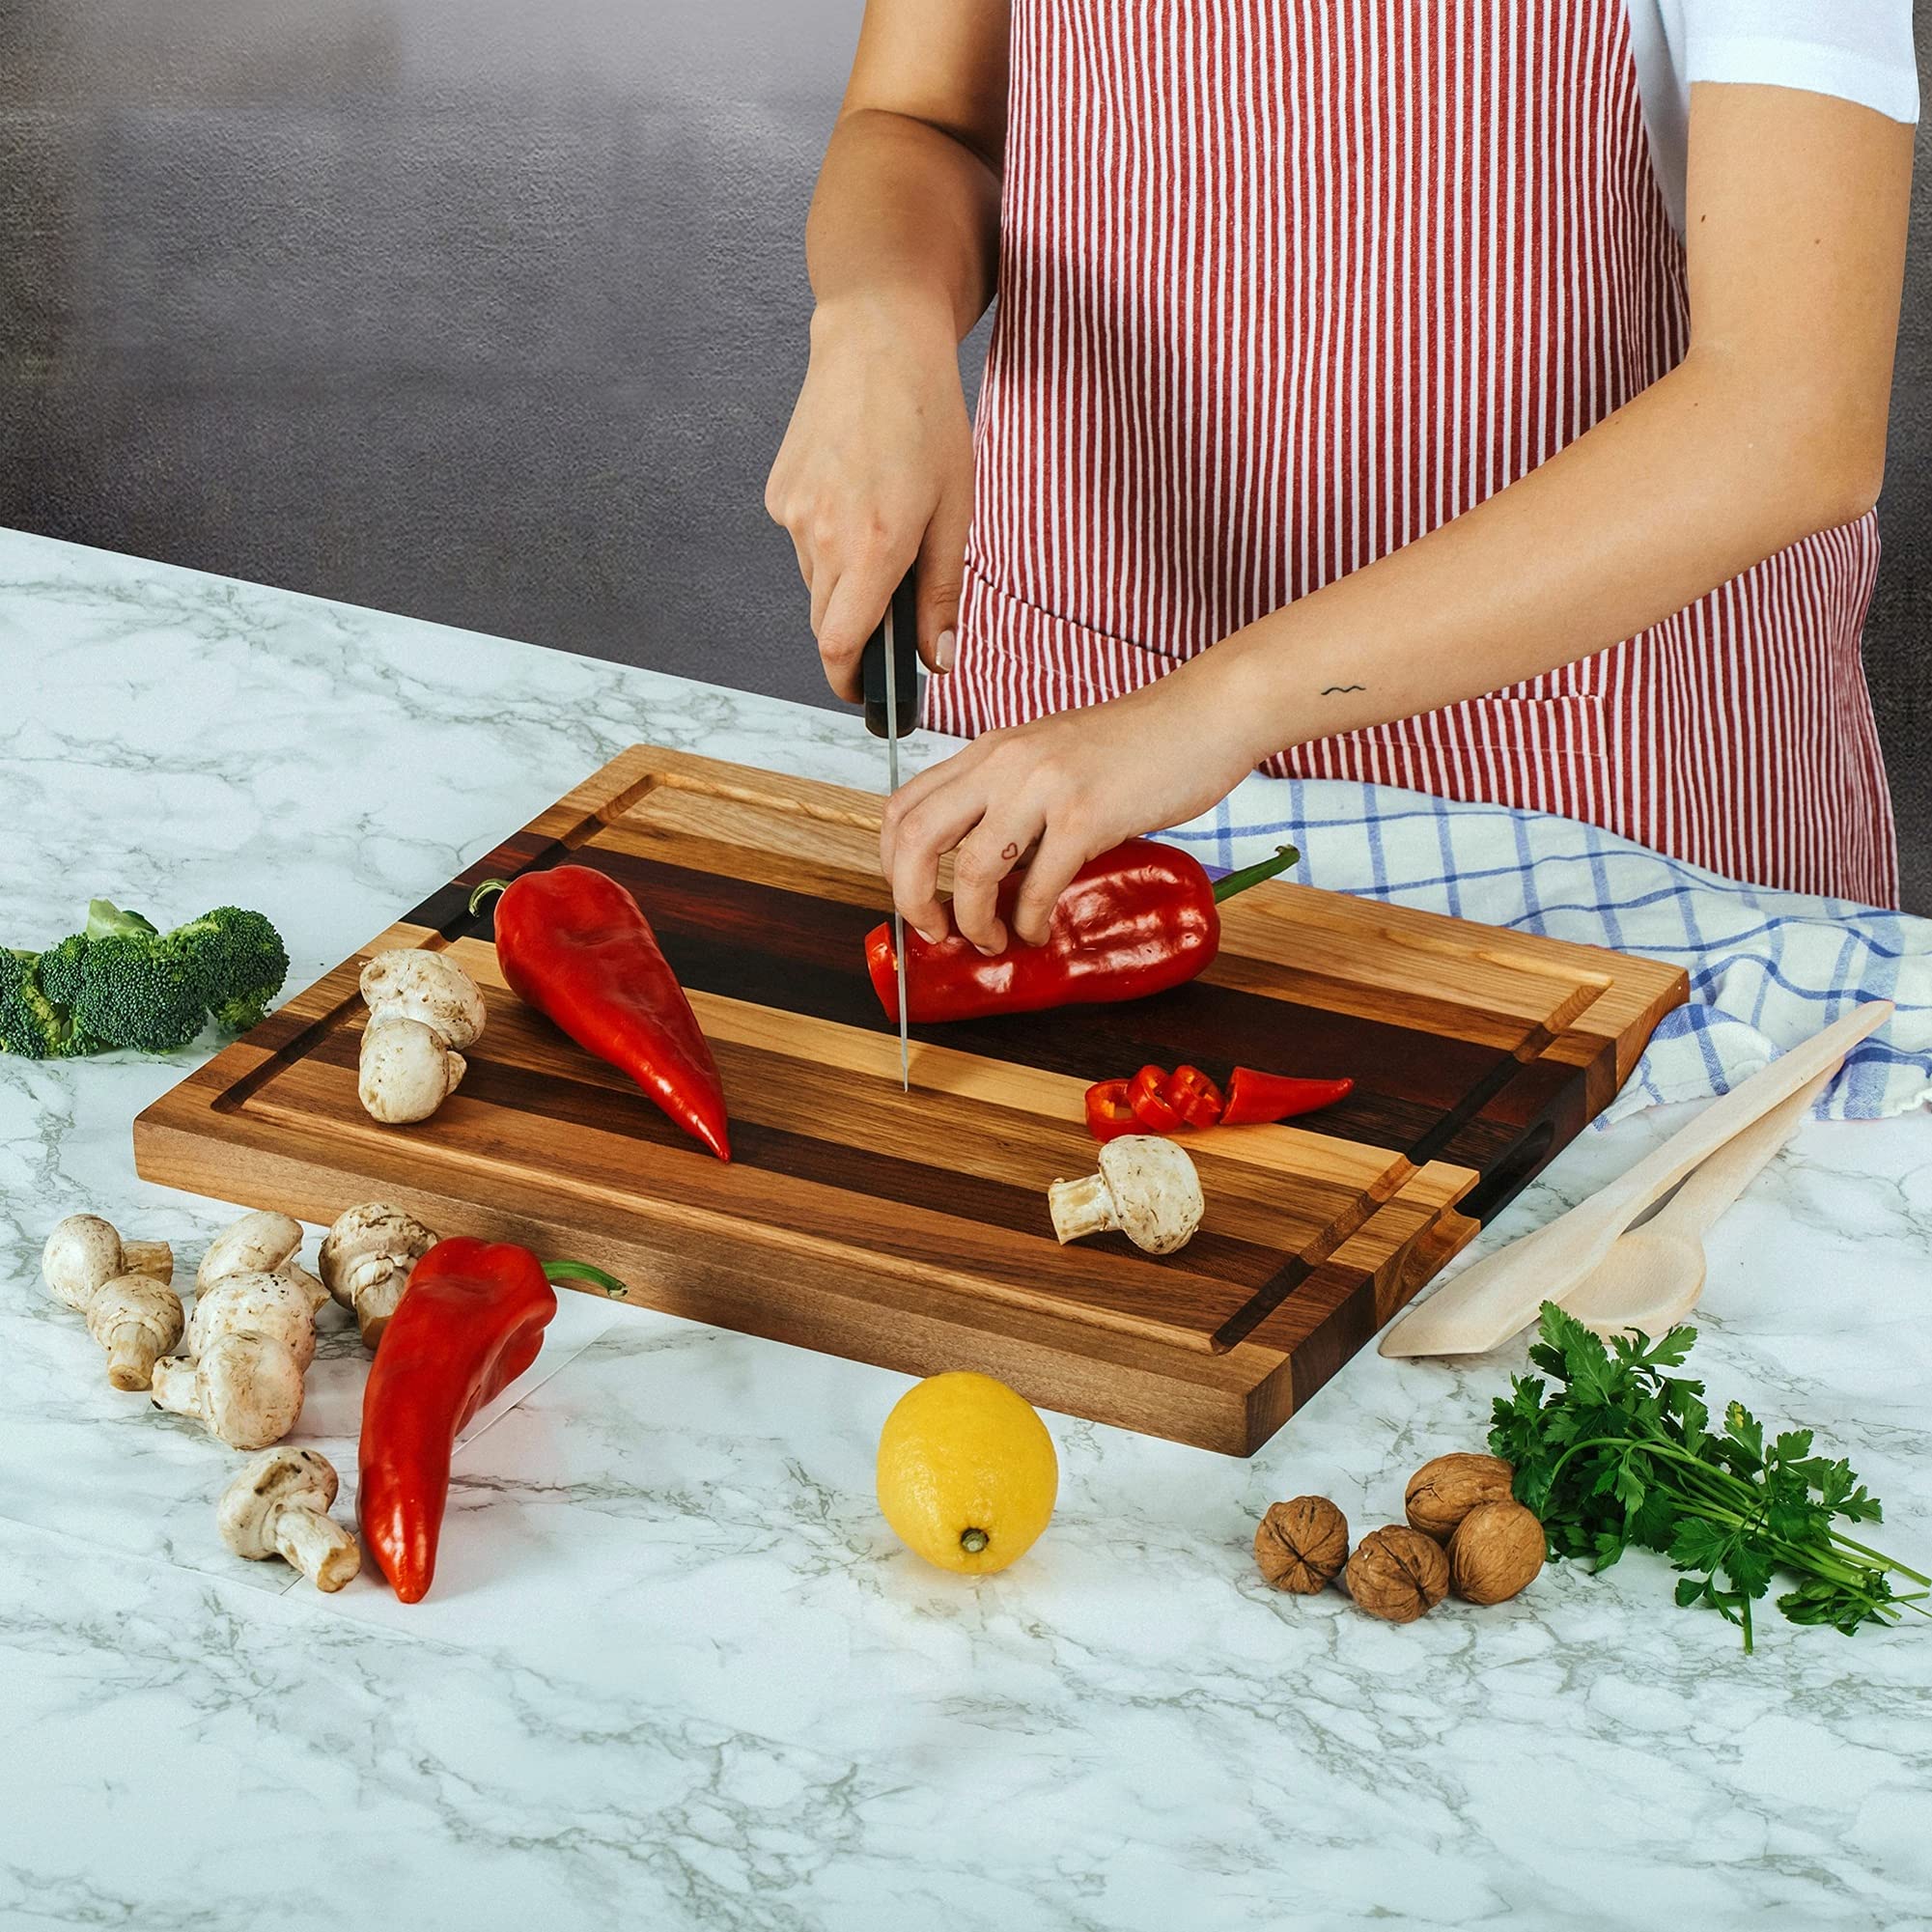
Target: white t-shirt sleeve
1859	50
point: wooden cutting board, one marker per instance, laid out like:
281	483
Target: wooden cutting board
911	1230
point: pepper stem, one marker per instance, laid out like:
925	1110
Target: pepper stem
483	891
582	1271
1285	855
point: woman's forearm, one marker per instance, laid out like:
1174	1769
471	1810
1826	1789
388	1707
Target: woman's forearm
1772	427
1692	482
905	218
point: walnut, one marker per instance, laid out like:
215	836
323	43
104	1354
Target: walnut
1441	1493
1496	1552
1398	1573
1301	1545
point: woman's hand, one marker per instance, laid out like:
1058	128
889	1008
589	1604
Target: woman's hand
875	471
1074	784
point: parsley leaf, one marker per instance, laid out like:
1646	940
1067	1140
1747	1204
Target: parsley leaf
1619	1453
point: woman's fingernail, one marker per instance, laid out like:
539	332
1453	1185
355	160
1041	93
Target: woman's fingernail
931	938
942	651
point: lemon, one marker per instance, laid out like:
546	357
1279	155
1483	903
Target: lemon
966	1473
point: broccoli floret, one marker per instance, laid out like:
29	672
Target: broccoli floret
31	1025
121	983
60	970
237	960
135	993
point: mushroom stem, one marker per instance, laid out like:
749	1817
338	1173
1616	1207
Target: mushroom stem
1081	1208
133	1348
154	1258
317	1545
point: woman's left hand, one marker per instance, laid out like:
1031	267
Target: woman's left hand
1076	784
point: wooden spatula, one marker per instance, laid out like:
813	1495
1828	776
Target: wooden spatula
1653	1275
1486	1304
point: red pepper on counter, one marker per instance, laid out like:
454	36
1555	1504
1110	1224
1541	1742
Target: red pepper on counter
576	947
470	1322
1135	921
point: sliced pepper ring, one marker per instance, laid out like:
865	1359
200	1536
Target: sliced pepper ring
1147	1095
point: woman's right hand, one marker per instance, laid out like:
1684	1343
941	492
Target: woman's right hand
876	473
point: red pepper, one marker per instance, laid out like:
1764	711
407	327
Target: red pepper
1195	1097
576	947
1135	921
1147	1095
470	1322
1254	1097
1110	1110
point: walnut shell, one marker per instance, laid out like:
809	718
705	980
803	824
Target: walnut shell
1398	1573
1496	1552
1441	1493
1303	1544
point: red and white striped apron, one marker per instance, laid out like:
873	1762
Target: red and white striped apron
1283	285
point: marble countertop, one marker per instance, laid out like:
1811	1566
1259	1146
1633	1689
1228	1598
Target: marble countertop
678	1673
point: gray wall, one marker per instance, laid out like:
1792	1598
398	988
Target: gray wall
492	310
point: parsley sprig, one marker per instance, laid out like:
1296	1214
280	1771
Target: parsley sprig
1622	1453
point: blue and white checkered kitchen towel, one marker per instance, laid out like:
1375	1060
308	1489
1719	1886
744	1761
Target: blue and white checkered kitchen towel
1767	968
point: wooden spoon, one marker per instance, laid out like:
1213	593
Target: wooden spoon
1653	1275
1487	1304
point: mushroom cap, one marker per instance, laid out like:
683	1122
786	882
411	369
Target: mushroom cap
251	1389
263	1239
279	1478
366	1239
81	1253
135	1298
1156	1191
405	1072
412	984
255	1303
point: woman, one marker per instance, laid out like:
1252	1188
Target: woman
1486	396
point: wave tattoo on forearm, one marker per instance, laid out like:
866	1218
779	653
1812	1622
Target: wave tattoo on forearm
1329	690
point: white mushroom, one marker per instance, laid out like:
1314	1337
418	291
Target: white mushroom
278	1507
84	1250
255	1303
122	1288
246	1391
366	1259
423	1010
1146	1187
137	1320
249	1340
261	1242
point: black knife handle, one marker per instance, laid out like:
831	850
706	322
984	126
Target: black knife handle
905	671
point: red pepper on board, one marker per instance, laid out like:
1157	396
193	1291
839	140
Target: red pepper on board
1147	1096
1135	921
470	1322
1110	1110
1254	1097
1195	1097
1153	1102
576	947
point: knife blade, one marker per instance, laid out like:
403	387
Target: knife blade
889	673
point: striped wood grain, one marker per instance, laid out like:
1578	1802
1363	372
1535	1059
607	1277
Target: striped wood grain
911	1230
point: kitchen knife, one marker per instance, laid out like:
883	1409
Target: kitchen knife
889	673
